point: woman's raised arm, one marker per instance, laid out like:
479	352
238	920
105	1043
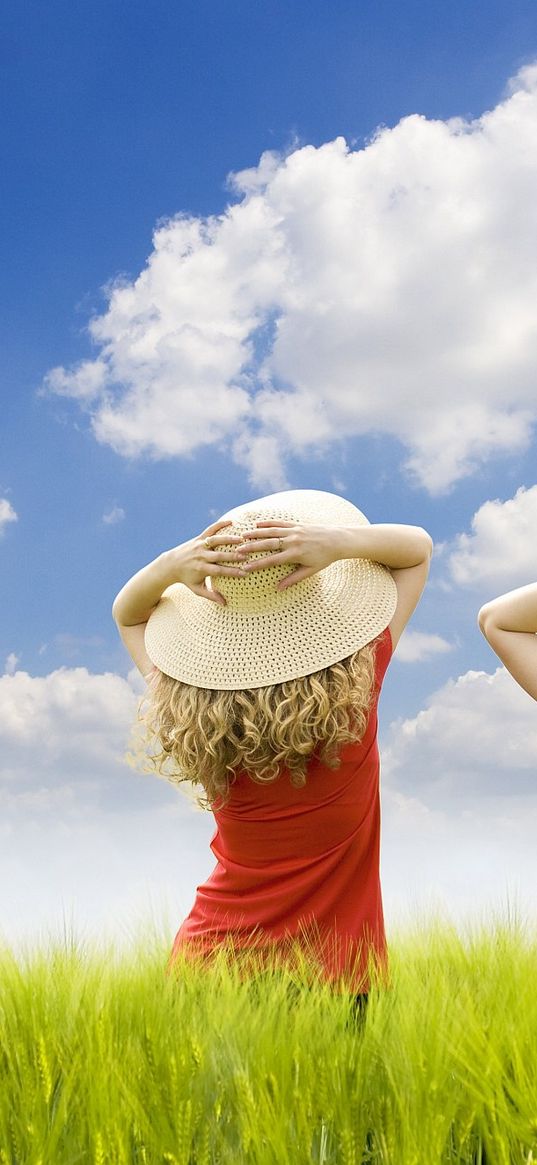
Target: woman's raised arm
190	563
405	550
509	624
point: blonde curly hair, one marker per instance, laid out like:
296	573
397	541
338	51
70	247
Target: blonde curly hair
209	736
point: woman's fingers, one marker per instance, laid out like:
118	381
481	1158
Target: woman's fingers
267	529
220	525
216	531
215	527
270	545
270	538
297	576
216	597
216	555
204	593
221	568
270	560
221	540
275	522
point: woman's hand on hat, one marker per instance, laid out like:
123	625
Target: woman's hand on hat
192	561
311	548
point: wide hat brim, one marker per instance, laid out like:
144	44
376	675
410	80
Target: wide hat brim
264	636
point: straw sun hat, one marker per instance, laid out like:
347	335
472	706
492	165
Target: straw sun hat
264	636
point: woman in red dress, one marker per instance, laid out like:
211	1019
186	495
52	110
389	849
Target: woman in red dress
265	641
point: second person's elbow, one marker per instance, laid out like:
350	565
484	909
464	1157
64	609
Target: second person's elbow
428	544
485	618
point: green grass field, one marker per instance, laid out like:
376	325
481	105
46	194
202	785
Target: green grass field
104	1058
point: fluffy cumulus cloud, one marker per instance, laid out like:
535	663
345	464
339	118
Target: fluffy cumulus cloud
387	289
82	834
501	550
415	646
7	514
474	742
459	803
64	730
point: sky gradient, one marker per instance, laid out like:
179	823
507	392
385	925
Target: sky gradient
246	248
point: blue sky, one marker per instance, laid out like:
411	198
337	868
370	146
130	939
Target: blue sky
357	311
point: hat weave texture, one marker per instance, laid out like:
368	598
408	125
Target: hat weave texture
265	636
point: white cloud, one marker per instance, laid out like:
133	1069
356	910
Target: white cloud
459	802
415	646
388	289
7	514
64	727
11	663
85	383
113	516
475	741
80	830
466	864
83	834
501	550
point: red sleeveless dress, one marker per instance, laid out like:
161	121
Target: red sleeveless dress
301	864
